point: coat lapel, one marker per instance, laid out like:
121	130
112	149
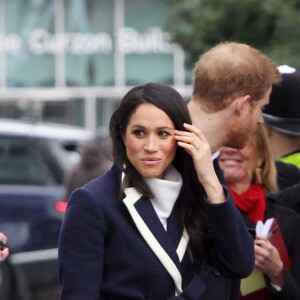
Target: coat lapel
175	230
150	227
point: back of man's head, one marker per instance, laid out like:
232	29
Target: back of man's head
282	114
230	70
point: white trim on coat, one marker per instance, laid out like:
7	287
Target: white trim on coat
132	196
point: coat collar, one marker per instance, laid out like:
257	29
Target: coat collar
162	244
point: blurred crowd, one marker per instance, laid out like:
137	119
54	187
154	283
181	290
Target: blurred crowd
95	159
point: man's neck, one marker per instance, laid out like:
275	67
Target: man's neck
211	124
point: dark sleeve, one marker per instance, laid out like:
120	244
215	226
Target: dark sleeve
233	251
287	174
291	288
219	171
289	197
81	246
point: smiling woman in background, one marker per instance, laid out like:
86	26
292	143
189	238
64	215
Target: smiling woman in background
143	229
250	174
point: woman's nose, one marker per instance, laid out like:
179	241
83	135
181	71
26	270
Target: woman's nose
151	144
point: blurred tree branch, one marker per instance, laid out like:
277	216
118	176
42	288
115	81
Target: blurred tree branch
273	26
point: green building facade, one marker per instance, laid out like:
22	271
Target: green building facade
71	61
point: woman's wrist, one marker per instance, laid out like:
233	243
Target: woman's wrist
215	194
278	278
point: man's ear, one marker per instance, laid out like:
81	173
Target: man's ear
242	103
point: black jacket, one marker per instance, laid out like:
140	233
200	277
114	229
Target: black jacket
289	224
287	174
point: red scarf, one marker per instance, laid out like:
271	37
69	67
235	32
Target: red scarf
252	202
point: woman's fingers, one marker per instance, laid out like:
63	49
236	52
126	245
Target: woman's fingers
192	140
195	130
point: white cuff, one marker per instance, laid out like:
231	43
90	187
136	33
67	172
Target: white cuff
276	287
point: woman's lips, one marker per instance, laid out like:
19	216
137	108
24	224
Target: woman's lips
230	161
150	160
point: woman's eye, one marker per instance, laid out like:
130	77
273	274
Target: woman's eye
164	133
138	132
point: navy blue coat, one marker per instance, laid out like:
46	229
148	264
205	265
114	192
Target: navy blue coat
114	249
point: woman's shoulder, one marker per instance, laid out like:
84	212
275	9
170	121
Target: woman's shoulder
100	189
111	178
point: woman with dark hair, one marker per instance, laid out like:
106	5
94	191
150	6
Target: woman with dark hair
144	228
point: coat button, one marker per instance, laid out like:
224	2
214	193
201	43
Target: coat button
216	272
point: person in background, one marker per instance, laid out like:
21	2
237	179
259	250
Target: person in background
144	228
4	250
250	174
231	85
94	161
282	117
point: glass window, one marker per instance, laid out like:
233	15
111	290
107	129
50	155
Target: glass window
149	53
89	31
29	27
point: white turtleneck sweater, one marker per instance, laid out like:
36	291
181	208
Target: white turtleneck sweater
165	193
